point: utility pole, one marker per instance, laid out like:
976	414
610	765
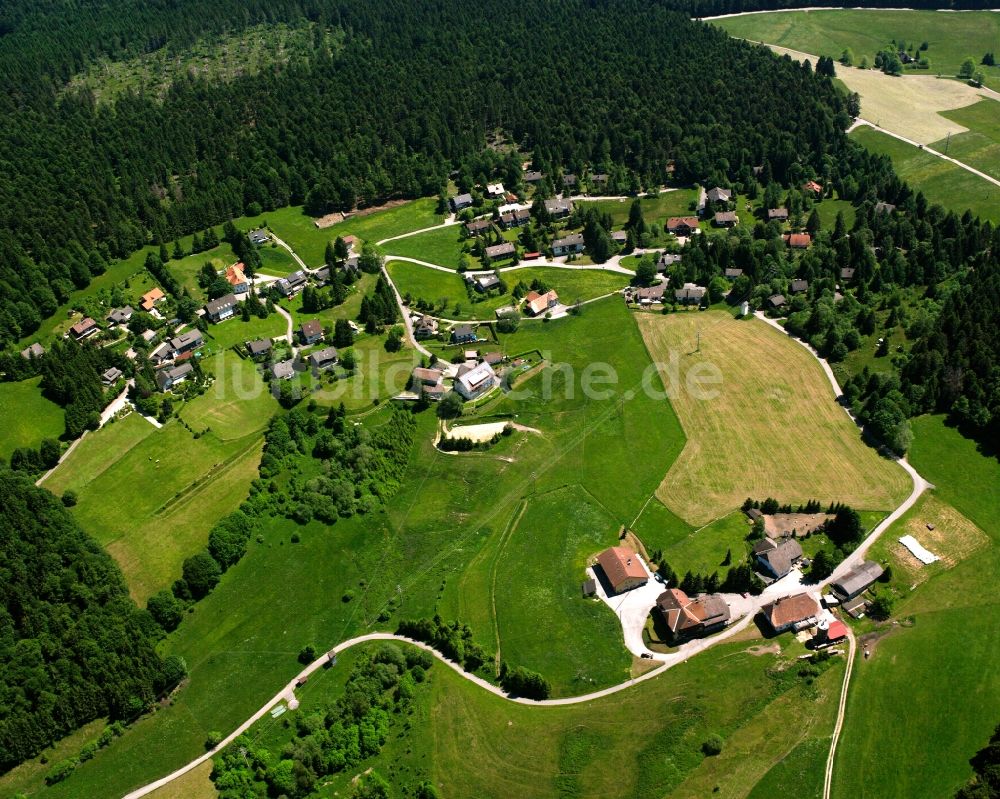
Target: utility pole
698	344
947	142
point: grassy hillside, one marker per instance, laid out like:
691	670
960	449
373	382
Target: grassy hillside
27	416
980	147
951	37
747	436
940	181
930	687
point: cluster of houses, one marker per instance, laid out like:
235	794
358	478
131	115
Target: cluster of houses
473	378
309	333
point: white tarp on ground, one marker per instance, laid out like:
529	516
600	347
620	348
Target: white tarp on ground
921	554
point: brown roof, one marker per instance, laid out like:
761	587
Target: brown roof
312	328
620	564
682	613
83	326
799	240
790	609
679	221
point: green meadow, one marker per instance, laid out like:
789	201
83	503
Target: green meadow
676	202
979	147
28	417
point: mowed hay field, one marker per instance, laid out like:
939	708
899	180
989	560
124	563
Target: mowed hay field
27	416
772	429
952	37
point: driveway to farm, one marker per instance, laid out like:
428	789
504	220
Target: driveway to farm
841	707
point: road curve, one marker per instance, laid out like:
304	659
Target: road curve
839	724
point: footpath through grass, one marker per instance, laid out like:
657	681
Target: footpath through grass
929	696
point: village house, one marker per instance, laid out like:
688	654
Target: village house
666	260
732	273
483	282
161	354
568	244
516	218
476	381
691	618
558	208
690	294
799	241
536	304
847	273
111	375
462	334
310	332
884	208
188	341
718	195
84	328
323	359
428	383
258	237
682	225
777	214
120	316
236	277
499	252
221	309
291	285
812	186
259	348
533	176
569	181
798	286
619	237
150	298
622	569
725	219
791	612
460	201
167	378
36	350
495	191
283	370
425	327
478	226
776	301
777	557
649	295
857	580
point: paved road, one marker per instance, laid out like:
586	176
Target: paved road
839	724
289	334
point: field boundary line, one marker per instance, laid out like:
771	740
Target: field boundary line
838	726
505	536
194	488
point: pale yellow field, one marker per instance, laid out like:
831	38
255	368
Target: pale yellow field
193	785
907	104
773	429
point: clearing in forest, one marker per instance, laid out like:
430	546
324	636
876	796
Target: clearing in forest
772	427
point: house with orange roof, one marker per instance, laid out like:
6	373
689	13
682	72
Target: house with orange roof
622	568
536	304
236	277
150	298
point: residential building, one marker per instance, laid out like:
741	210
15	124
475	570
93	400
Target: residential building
619	237
533	176
857	580
666	260
558	208
476	382
499	252
536	304
725	219
622	568
483	283
568	244
120	316
351	241
161	354
776	301
790	612
569	181
495	191
777	557
188	341
718	195
291	285
460	201
237	278
777	214
884	208
169	377
690	294
649	295
258	237
516	218
798	286
323	359
259	348
682	225
493	358
429	383
799	241
283	370
691	618
599	179
478	226
732	273
84	328
462	334
310	332
813	186
36	350
847	273
425	327
150	298
111	375
221	309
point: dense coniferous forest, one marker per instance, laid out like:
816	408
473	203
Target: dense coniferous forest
73	645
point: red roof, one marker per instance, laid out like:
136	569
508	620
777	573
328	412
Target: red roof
530	255
837	630
799	240
621	564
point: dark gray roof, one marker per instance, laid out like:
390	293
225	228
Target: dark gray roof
573	240
857	579
323	356
36	350
500	250
187	339
282	370
783	556
217	306
260	346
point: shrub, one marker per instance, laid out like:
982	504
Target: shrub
60	771
212	740
712	745
69	498
307	655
